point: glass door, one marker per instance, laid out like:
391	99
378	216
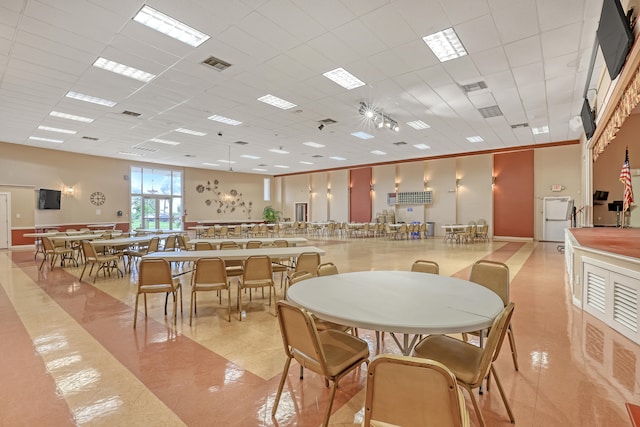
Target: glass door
159	213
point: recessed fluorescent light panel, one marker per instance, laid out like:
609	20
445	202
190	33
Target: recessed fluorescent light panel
276	102
225	120
344	78
190	132
123	70
362	135
37	138
169	26
259	169
445	45
418	125
539	130
475	139
249	156
211	164
281	166
305	163
89	98
279	151
422	146
226	161
70	117
164	141
378	152
50	129
126	153
337	158
313	144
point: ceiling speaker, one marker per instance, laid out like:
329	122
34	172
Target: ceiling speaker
575	123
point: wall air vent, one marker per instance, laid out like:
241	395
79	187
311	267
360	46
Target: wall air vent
520	125
131	113
400	143
90	138
216	64
241	142
492	111
471	87
327	121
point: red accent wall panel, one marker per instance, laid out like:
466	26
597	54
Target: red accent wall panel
513	198
360	195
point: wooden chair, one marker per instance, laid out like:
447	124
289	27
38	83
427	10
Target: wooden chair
210	275
469	363
257	273
104	262
424	266
253	244
155	277
412	392
306	261
330	353
203	246
139	252
234	267
326	269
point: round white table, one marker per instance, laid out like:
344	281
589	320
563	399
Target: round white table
401	302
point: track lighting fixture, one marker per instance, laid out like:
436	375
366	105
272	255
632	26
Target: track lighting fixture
379	118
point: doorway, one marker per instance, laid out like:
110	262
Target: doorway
5	221
301	211
161	212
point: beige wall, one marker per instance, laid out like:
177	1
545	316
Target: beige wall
339	199
25	169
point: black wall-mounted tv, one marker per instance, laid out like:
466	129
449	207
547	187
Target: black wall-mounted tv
49	199
614	36
588	119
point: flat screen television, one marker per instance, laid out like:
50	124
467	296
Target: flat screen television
614	36
588	119
600	196
49	199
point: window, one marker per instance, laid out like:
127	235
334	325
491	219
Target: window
156	198
267	189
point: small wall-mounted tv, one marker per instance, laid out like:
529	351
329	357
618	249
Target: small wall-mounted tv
49	199
614	36
588	119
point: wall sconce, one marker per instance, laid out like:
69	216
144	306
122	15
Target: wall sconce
493	180
426	183
68	190
397	186
372	187
457	182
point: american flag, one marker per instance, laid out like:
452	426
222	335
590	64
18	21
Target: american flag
625	178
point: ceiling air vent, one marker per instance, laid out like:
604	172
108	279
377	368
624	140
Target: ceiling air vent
317	156
492	111
131	113
216	64
327	121
400	143
90	138
241	142
147	149
262	164
472	87
520	125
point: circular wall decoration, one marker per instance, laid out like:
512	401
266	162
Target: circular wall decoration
97	198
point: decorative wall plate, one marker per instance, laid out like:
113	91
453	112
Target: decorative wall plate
97	198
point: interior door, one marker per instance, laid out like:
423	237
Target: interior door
301	211
4	221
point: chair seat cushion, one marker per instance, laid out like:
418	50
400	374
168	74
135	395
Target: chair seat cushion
342	350
210	286
460	357
156	288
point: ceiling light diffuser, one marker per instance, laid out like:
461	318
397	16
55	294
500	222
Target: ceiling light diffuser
259	169
337	158
281	166
226	161
164	141
378	152
305	162
225	120
70	117
422	146
313	144
445	45
91	99
475	138
539	130
362	135
279	151
211	164
127	153
190	132
169	26
276	102
37	138
123	70
418	124
50	129
249	156
344	78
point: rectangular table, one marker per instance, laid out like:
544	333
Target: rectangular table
234	254
292	241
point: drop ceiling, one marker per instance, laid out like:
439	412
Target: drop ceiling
532	56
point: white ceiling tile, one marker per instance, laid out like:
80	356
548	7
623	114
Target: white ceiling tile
514	19
477	34
561	41
490	61
524	52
